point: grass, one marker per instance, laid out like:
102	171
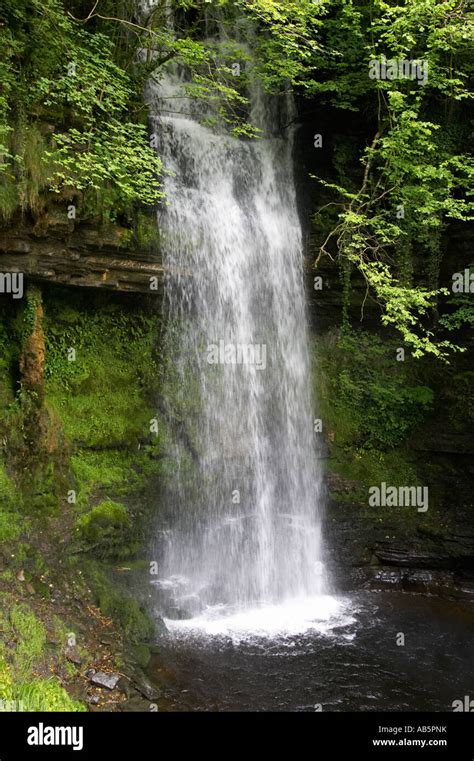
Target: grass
25	660
30	635
46	695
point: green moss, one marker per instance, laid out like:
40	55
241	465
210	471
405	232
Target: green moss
141	654
8	492
31	638
369	404
120	606
8	354
104	402
98	473
147	231
117	473
35	169
101	418
369	399
24	184
105	530
364	468
10	526
11	522
98	391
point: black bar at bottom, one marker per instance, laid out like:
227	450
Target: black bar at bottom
314	736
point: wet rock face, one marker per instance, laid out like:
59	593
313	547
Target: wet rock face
388	553
440	583
81	255
173	599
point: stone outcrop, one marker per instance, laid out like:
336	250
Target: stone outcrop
81	255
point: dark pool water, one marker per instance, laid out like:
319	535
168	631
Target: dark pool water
355	666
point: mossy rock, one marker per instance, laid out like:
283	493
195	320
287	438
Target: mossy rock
141	654
119	605
105	530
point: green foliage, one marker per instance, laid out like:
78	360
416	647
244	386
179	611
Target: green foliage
416	176
207	63
22	666
90	82
116	155
55	72
6	681
46	695
324	47
371	406
288	43
462	312
371	400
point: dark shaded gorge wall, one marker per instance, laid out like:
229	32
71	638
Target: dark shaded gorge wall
403	423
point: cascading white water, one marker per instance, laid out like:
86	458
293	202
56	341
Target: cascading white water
246	528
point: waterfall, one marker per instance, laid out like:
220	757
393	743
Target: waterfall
245	529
